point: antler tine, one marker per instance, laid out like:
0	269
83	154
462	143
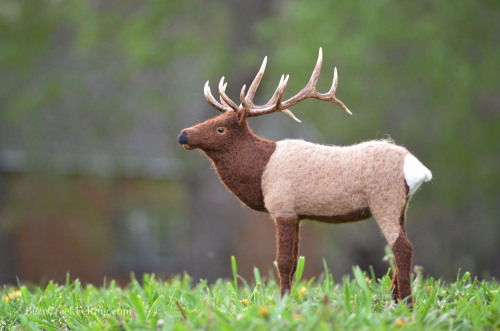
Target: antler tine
330	95
275	101
278	94
335	81
289	113
332	92
247	101
274	104
309	91
223	95
242	96
211	100
280	91
311	85
255	84
220	98
274	98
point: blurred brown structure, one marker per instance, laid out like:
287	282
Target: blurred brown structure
90	226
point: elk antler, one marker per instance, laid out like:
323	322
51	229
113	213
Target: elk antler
275	104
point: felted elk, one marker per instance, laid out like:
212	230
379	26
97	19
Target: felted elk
294	180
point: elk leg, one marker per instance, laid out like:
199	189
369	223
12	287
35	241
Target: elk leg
295	251
392	223
286	229
394	286
403	253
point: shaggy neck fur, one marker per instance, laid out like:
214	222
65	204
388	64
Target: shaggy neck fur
241	165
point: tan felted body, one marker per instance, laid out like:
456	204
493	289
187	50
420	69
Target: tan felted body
337	184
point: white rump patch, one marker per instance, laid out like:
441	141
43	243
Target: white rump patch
415	173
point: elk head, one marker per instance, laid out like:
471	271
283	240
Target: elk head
223	131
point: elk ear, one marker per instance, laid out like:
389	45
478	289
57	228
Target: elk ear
242	116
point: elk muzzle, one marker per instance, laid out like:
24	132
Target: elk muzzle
183	140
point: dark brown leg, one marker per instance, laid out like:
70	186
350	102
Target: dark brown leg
394	286
286	229
295	251
403	253
392	225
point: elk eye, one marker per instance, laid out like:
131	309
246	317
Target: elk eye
220	130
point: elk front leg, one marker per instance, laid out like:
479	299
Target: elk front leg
394	286
287	245
403	253
295	251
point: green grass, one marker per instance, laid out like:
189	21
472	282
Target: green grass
357	302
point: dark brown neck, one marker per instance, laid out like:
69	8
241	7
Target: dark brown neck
241	167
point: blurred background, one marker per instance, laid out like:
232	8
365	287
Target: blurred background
94	93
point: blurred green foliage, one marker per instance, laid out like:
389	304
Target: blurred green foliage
77	74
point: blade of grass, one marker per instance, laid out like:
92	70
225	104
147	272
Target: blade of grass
347	292
181	310
234	267
422	312
27	324
153	307
138	305
42	323
254	292
327	277
365	292
204	283
256	275
372	274
360	279
300	270
230	285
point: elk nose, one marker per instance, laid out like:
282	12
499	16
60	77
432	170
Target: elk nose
183	138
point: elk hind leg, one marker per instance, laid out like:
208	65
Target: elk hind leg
403	254
393	228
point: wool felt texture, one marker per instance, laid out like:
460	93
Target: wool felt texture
238	155
415	173
287	245
348	183
295	180
403	254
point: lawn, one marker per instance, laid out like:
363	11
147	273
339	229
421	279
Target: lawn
356	302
